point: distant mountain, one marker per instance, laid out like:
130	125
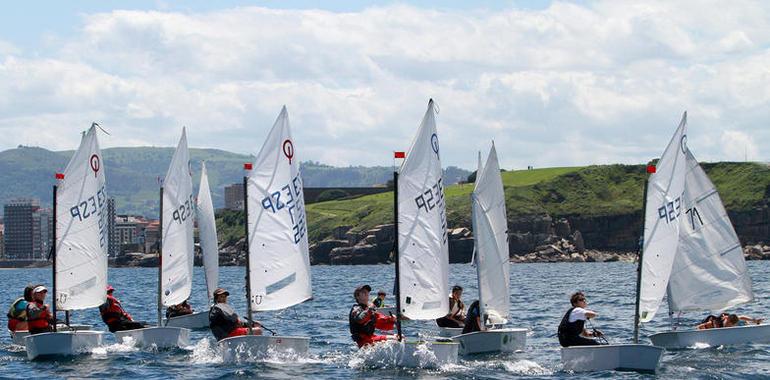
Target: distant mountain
133	174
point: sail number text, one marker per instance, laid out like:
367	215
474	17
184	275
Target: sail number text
670	211
432	198
184	211
289	199
93	205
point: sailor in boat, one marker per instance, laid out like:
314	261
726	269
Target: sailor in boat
179	310
380	300
224	321
39	317
473	319
572	331
364	320
711	322
17	313
732	320
456	316
113	314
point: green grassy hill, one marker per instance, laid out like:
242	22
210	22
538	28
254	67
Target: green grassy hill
587	191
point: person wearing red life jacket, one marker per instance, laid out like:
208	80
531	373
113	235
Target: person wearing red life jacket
363	320
39	317
113	314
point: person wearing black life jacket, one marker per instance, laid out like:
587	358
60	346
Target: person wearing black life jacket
17	313
114	316
456	316
572	330
363	320
39	318
473	321
379	302
224	321
181	309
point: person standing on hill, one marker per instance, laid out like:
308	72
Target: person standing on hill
572	330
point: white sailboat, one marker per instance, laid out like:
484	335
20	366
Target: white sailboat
207	231
422	249
278	259
709	271
490	229
80	250
662	210
175	267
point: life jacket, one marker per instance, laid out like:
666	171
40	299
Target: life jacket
223	320
364	326
111	310
377	302
18	310
41	320
568	331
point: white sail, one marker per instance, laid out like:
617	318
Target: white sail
178	214
81	229
709	271
423	250
664	208
490	232
207	231
278	250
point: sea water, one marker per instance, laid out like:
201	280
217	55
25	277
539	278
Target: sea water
539	298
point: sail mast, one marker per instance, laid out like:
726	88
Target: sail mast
639	264
248	248
160	259
395	251
53	256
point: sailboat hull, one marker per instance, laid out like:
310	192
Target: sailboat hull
491	341
712	337
158	337
194	321
67	343
18	336
619	357
256	347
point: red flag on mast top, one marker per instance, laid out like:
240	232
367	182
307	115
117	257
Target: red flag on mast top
247	166
399	154
59	175
651	169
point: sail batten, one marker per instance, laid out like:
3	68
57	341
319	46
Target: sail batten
207	229
177	230
279	259
81	225
423	251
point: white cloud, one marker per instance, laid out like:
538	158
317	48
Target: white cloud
567	85
738	146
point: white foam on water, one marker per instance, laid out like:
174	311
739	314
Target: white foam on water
388	354
126	346
700	346
206	351
518	367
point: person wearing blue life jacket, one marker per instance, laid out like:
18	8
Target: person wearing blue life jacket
572	331
473	320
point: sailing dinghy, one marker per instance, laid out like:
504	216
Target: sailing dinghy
278	259
79	252
207	231
662	210
490	230
709	271
175	266
422	251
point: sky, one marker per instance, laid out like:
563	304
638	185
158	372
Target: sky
552	83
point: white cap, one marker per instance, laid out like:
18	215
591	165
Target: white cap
39	289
